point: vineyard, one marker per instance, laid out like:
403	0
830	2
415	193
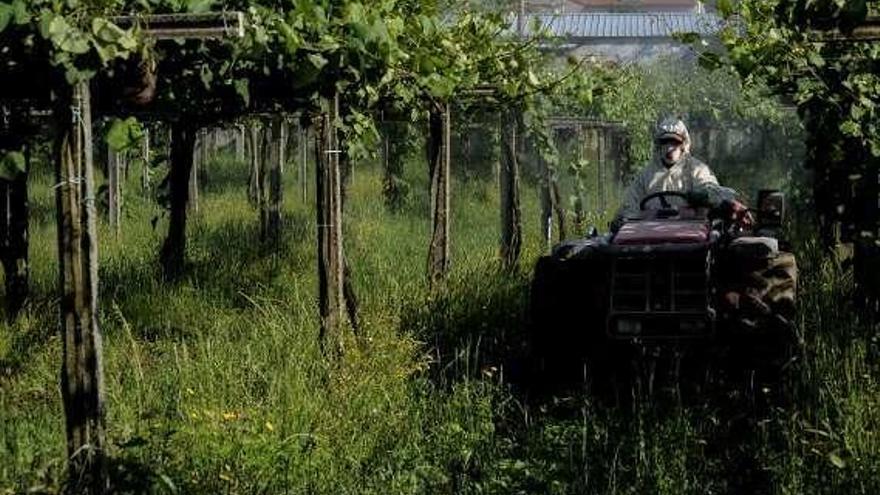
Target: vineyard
286	246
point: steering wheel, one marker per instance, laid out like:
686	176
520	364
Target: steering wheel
662	195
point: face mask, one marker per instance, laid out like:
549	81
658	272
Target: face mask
671	153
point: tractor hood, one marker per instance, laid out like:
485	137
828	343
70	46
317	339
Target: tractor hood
652	232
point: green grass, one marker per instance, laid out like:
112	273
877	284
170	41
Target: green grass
216	384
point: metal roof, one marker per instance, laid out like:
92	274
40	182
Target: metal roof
598	25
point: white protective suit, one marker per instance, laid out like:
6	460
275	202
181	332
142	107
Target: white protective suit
687	175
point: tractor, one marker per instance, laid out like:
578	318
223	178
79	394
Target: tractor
683	278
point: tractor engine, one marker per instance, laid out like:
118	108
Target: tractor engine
660	279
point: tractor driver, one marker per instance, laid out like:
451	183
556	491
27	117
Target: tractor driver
675	170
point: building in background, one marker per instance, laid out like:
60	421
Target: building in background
621	30
574	6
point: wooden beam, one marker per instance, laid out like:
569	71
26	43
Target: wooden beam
868	30
481	92
562	121
186	26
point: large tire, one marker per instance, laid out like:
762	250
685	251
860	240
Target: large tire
547	308
758	305
763	291
566	318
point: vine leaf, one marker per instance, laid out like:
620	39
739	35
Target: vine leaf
124	134
105	30
725	7
14	12
66	37
5	15
12	165
317	60
200	6
243	90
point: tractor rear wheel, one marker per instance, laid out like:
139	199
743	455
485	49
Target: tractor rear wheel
759	303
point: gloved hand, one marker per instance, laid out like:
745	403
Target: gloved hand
738	214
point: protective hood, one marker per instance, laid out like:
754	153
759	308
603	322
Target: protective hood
673	128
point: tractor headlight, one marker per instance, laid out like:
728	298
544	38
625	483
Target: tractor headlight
629	327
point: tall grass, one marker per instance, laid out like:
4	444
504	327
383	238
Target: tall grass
217	384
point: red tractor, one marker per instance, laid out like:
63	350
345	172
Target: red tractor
685	277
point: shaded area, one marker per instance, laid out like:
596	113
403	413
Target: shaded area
675	417
474	325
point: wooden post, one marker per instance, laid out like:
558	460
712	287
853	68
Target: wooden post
866	249
712	144
556	199
240	143
349	294
329	218
5	220
124	164
183	140
582	147
146	153
393	139
546	204
439	158
388	182
616	160
303	161
114	179
14	239
269	183
82	377
276	175
511	216
626	161
209	147
601	165
199	154
254	181
266	163
284	143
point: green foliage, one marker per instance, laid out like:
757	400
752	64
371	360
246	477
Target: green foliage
79	38
642	94
781	44
13	13
794	47
124	135
396	54
12	165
